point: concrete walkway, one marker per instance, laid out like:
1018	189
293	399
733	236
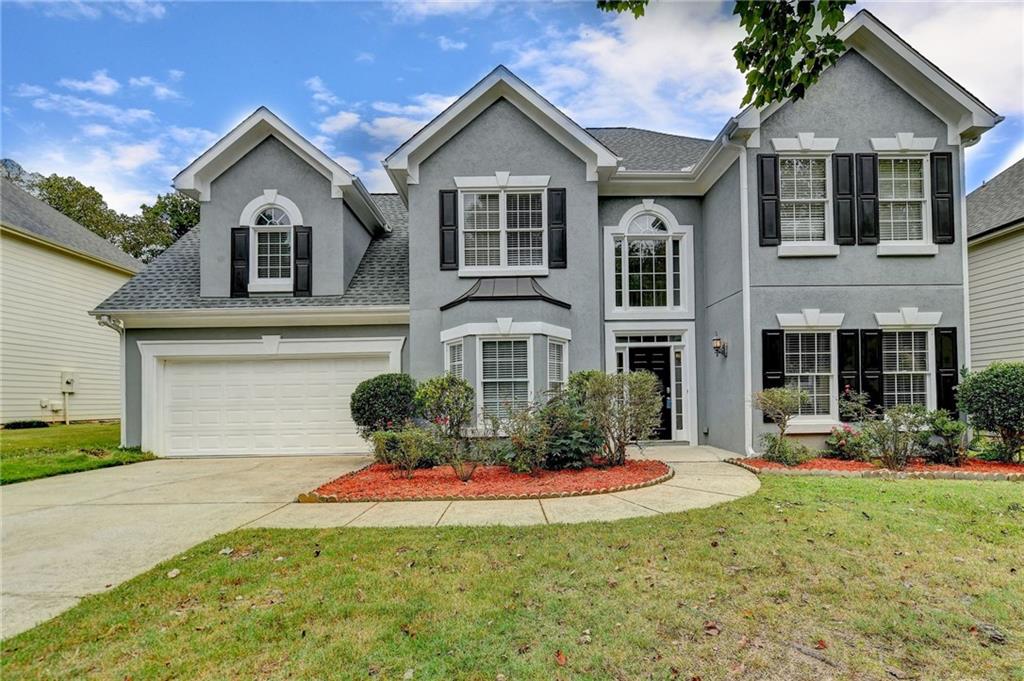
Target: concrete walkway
701	479
73	535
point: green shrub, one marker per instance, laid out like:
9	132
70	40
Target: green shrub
385	444
576	386
846	443
528	437
946	439
416	447
625	407
22	425
384	402
447	402
897	437
779	405
574	437
993	399
854	407
786	452
491	451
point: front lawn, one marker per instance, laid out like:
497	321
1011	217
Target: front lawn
810	578
42	452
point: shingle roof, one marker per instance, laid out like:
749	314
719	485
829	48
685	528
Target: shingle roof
998	202
649	150
23	212
171	282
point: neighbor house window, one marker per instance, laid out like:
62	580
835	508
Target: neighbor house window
804	199
453	359
557	366
904	368
271	250
647	265
809	369
503	229
901	199
504	376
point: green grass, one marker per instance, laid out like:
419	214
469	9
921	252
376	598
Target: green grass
890	575
41	452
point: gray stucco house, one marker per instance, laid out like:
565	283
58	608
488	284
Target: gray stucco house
817	243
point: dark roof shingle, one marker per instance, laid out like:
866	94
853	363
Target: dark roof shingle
649	150
171	282
23	212
998	202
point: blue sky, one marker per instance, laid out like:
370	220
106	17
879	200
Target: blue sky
124	94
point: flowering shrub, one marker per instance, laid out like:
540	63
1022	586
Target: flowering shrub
854	407
847	443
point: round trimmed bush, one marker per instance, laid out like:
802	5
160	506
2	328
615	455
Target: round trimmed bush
384	402
994	401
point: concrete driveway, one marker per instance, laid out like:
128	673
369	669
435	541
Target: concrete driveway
73	535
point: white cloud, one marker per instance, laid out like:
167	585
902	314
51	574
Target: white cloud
131	157
416	10
349	163
175	74
97	130
406	118
339	122
976	44
158	89
392	128
448	45
132	11
192	137
26	90
77	107
137	11
423	105
323	98
100	84
376	180
366	57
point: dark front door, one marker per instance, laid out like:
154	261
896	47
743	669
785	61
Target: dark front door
659	362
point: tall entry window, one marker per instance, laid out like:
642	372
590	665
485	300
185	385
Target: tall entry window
648	267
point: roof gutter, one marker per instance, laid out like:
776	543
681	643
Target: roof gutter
240	317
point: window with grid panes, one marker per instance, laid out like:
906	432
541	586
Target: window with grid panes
647	264
808	359
803	199
904	368
901	199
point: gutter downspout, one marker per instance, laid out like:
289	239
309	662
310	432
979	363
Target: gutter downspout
748	407
118	326
962	153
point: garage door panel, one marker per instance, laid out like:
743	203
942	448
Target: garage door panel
278	406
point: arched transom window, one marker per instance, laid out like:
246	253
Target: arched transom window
649	262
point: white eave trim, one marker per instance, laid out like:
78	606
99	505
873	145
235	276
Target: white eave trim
504	326
501	179
908	317
811	318
904	142
241	317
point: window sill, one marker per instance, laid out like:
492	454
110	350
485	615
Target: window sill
812	427
891	248
273	286
822	250
504	272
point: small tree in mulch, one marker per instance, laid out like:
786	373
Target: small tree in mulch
994	401
780	405
899	435
447	402
384	402
626	407
415	445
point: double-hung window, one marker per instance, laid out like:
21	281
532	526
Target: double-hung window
271	251
805	214
905	368
808	363
902	199
504	376
453	363
503	230
647	263
557	366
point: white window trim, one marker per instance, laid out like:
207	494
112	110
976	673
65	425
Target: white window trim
503	269
448	357
804	142
931	399
504	326
924	245
827	247
684	235
687	329
154	354
479	380
247	218
903	141
815	423
564	378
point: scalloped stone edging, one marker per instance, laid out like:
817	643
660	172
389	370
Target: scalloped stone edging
315	498
883	473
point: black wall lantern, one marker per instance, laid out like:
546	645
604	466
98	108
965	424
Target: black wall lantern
719	346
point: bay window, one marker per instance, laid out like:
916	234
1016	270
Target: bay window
504	376
453	363
557	366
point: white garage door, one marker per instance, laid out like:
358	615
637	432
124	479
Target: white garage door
263	406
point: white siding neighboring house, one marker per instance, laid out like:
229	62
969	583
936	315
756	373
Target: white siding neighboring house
53	271
995	257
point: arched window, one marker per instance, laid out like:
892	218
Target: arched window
270	218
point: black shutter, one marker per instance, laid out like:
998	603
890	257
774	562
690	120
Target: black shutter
557	229
946	369
848	359
239	262
449	224
943	228
844	198
773	360
871	365
302	281
768	199
867	198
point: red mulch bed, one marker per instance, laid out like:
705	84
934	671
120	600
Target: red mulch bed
916	465
378	482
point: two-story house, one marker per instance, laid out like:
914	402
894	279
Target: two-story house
816	243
